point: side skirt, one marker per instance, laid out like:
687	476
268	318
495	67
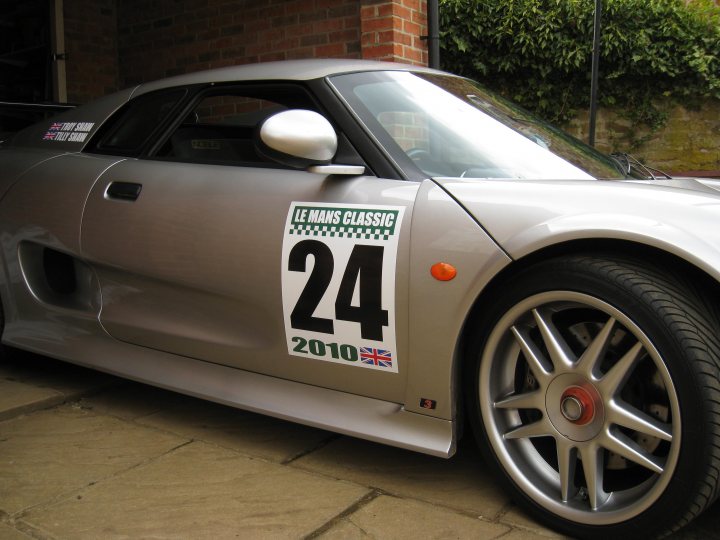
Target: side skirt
357	416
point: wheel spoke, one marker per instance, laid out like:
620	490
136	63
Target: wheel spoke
561	355
624	446
533	355
589	362
626	415
567	461
541	428
593	462
618	374
528	400
573	368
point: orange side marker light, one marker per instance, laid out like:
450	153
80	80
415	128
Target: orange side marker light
443	271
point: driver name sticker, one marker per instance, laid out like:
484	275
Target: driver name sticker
68	131
338	283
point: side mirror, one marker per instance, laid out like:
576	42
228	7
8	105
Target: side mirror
301	139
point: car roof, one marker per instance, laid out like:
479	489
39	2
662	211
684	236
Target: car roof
287	70
96	112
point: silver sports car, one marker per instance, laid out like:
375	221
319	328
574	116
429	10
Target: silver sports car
392	253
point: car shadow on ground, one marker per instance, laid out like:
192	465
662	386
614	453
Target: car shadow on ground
462	484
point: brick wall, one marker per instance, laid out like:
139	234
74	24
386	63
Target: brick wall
91	48
392	30
688	143
170	37
118	43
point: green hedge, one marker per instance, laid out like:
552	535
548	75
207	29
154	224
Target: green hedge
538	52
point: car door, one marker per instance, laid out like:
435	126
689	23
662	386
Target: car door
208	251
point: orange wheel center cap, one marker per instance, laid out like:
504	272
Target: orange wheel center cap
576	405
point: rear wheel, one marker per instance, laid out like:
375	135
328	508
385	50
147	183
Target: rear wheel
595	390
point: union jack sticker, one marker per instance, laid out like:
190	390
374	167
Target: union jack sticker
376	357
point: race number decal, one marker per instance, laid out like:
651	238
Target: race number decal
338	283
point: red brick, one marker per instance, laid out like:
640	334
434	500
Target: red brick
298	30
412	28
154	38
333	49
368	12
373	25
300	6
345	36
413	55
272	57
327	25
419	18
377	51
351	22
387	36
402	12
385	9
300	52
286	44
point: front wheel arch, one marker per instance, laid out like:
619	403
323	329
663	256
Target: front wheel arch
596	247
516	277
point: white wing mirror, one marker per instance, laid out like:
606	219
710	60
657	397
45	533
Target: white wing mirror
302	139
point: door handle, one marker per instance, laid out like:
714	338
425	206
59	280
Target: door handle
124	191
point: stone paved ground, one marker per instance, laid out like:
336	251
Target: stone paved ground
86	455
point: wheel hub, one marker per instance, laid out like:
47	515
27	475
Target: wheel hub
575	407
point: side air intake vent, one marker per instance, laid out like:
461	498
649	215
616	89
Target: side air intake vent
57	278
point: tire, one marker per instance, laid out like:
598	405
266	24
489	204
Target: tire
593	387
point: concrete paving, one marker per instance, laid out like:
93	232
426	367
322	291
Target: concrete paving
87	455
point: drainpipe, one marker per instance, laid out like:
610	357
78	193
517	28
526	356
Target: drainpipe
433	34
594	75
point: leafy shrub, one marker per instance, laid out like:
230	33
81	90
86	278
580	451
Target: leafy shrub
538	52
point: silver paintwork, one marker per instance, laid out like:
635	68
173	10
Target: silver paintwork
511	437
526	216
96	112
291	70
175	305
300	133
78	341
348	170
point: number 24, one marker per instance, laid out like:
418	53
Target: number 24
365	264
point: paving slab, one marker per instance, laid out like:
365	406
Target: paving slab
8	533
131	400
390	517
68	379
49	453
249	433
461	482
18	398
199	491
518	519
246	432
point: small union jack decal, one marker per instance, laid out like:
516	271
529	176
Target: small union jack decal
55	126
376	357
49	136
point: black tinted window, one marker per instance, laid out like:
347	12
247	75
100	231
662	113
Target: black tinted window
133	126
221	127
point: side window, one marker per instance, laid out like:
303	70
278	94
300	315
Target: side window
129	130
220	129
221	126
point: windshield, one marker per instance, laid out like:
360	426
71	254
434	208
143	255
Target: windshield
449	126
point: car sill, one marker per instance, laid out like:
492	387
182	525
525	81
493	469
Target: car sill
357	416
